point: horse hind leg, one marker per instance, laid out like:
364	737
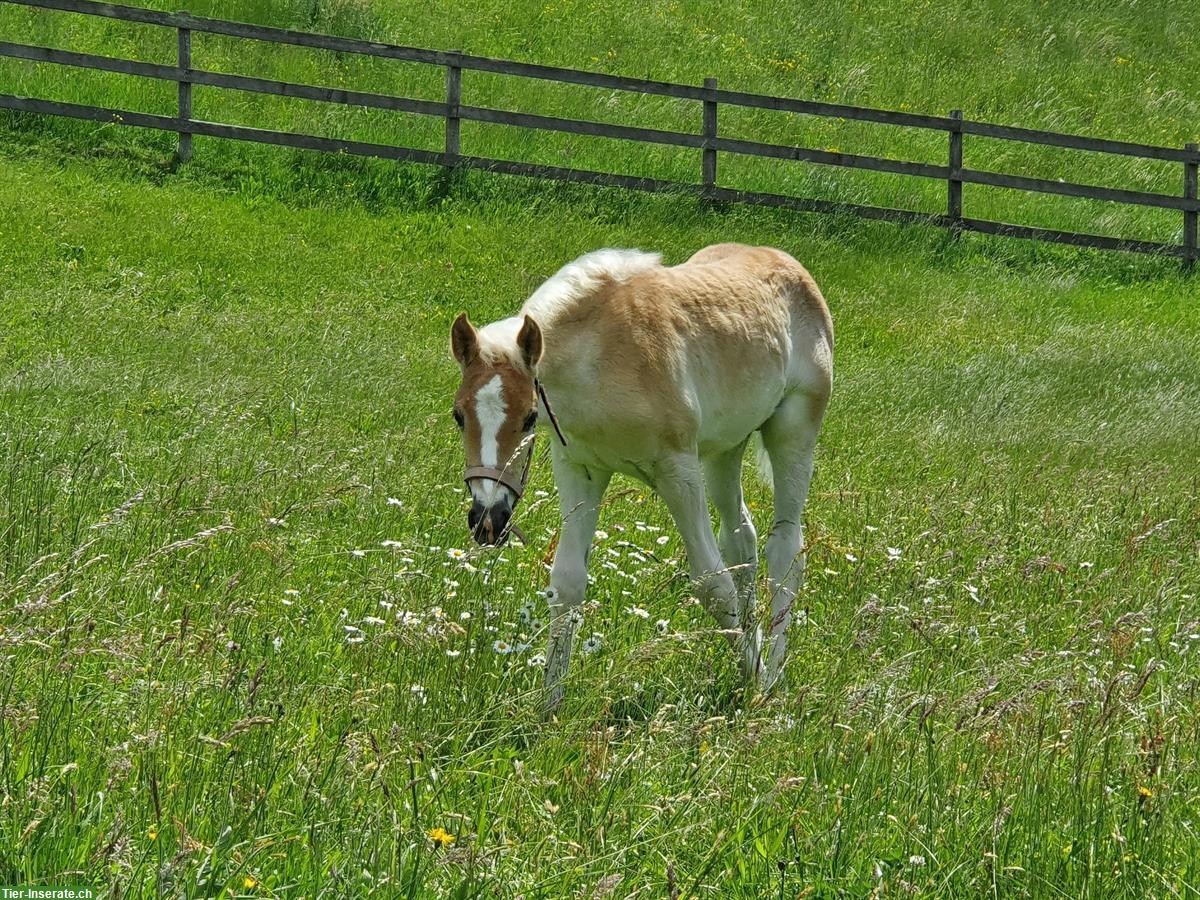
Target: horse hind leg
789	437
736	539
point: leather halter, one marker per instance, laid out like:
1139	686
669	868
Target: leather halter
517	486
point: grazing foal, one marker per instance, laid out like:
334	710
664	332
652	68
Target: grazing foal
660	373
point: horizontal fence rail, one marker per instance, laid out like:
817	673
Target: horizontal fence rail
708	140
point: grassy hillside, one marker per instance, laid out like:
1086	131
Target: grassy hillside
245	649
1113	70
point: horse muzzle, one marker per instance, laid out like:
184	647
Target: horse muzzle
490	525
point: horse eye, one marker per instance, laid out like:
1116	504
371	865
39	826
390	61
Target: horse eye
530	421
458	418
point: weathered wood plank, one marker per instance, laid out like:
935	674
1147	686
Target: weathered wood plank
1079	142
1078	239
1071	189
832	158
185	93
1190	177
580	126
954	193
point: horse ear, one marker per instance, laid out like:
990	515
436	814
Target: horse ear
464	341
529	341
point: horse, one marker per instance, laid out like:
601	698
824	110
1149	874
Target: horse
661	373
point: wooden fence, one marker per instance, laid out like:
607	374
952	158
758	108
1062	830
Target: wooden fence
708	140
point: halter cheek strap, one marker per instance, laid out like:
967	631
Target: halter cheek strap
517	485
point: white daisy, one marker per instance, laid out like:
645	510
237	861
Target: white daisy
502	647
662	626
592	644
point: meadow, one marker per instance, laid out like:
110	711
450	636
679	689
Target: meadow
247	650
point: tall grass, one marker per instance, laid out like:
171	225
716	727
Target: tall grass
244	653
245	650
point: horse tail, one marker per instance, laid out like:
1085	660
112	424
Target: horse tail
762	460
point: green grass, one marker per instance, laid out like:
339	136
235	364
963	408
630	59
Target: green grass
214	381
1070	67
184	366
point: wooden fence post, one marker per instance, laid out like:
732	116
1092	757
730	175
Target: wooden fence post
1189	215
954	183
453	101
709	167
185	92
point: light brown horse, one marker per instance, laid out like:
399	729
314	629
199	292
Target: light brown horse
663	374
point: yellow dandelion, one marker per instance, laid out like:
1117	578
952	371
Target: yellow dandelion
1145	791
441	837
152	832
248	883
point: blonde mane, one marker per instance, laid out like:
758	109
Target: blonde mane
574	282
580	277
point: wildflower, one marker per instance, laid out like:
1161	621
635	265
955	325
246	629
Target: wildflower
418	691
456	554
395	545
661	540
592	644
358	553
662	626
354	635
536	661
536	625
454	654
1145	791
373	620
392	501
916	860
441	837
292	592
152	832
526	613
248	883
277	523
464	616
637	611
277	643
893	553
601	535
551	594
502	647
575	618
851	557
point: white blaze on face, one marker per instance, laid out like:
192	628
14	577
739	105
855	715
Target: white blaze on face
490	411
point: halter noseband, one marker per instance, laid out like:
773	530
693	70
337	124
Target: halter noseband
517	486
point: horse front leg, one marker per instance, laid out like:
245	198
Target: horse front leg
679	481
580	491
